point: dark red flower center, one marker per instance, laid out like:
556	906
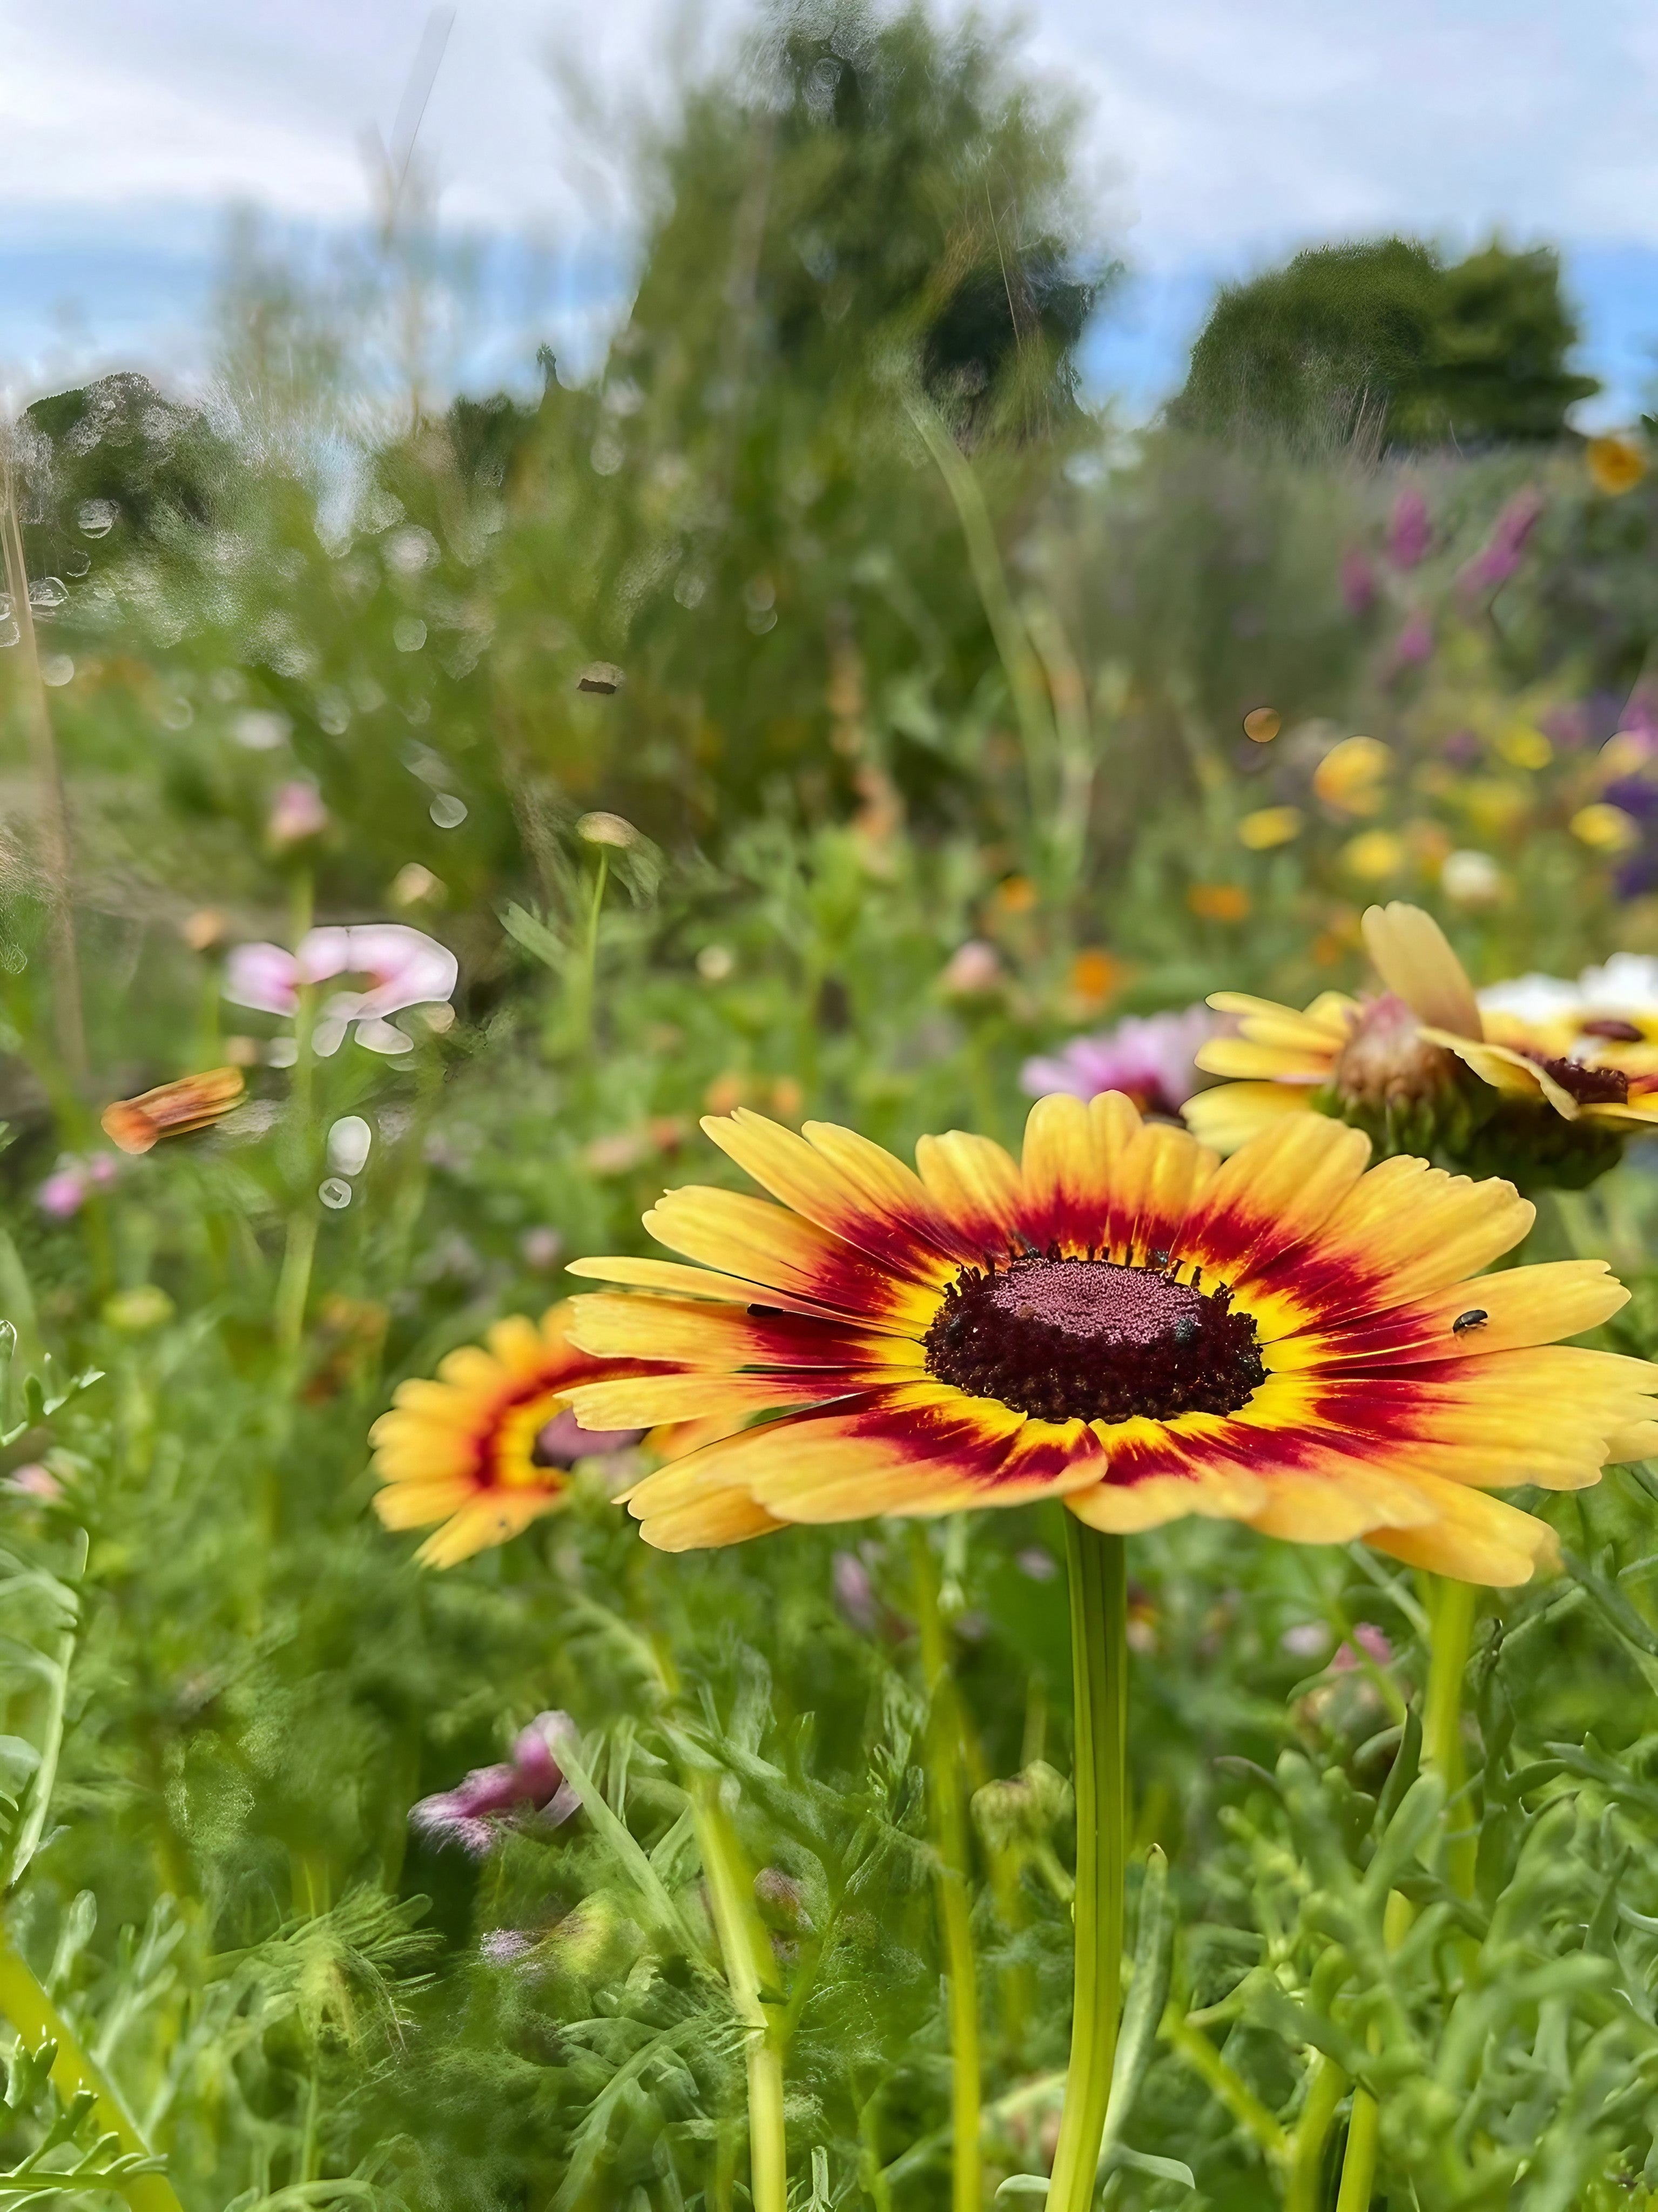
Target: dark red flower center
1589	1086
1093	1340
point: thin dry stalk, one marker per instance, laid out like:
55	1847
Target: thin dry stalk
55	856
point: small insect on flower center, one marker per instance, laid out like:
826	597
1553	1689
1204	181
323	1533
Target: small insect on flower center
1094	1340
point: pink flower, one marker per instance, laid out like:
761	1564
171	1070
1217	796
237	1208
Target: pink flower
62	1193
471	1814
401	966
1357	583
1153	1059
973	970
296	813
1500	556
1371	1639
35	1481
65	1189
1410	533
1415	642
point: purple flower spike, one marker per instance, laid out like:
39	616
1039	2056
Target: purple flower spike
1500	556
1358	583
1410	533
533	1780
1153	1059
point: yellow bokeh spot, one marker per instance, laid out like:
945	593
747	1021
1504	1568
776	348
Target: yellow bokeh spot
1016	895
1373	856
1268	826
1607	829
1349	774
1262	724
1522	746
1616	464
1219	901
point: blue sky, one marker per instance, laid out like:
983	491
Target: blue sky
1220	134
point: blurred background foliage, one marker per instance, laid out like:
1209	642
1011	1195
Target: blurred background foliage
924	685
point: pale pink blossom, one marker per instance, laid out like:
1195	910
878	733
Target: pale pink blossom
66	1188
399	966
296	813
1153	1059
973	970
36	1481
1410	532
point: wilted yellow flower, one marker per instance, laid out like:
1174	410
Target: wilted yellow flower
1268	826
1262	724
1607	829
1373	856
1349	774
1616	464
613	829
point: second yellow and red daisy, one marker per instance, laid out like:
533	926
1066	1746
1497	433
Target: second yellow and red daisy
1424	1067
485	1448
1291	1339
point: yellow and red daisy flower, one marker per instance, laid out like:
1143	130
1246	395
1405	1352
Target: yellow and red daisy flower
1390	1063
1289	1339
486	1448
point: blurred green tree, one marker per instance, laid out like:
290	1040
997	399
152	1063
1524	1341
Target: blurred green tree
870	213
1384	343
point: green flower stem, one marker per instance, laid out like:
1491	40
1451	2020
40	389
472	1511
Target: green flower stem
1227	2085
731	1895
37	2020
294	1285
589	970
950	1841
1099	1661
1324	2094
1452	1612
1363	2128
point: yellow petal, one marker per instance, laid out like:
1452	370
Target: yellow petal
1232	1113
1473	1538
793	1171
977	1185
1412	955
639	1402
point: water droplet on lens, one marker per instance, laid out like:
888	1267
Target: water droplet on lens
10	632
76	561
335	1194
448	811
96	517
48	592
408	633
57	668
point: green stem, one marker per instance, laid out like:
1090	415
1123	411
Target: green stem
590	953
37	2020
1453	1615
1364	2126
731	1893
1324	2094
950	1841
1096	1565
1227	2085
